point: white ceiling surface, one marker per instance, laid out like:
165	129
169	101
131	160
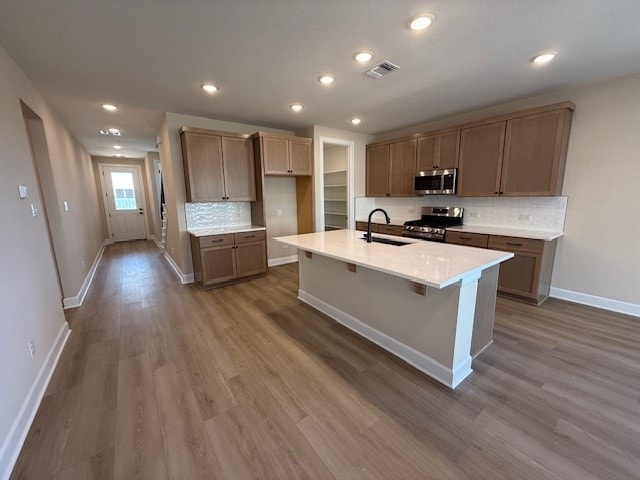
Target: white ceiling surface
150	56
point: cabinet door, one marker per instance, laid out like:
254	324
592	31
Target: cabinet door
377	171
402	169
300	153
204	177
239	171
275	156
218	265
520	274
427	153
532	157
480	160
448	151
251	259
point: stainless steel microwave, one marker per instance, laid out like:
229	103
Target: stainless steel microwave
435	182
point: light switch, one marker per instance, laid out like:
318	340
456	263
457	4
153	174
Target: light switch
23	191
66	206
279	212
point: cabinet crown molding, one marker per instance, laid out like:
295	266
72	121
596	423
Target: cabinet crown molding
218	133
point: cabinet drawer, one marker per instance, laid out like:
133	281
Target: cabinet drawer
479	240
247	237
363	227
390	229
516	244
216	240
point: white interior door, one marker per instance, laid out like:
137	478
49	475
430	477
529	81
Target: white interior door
124	203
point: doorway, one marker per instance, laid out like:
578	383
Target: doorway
44	176
124	202
336	189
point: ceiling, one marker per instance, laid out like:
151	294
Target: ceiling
151	56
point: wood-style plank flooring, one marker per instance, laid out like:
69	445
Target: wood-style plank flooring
164	381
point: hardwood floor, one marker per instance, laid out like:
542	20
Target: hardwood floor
164	381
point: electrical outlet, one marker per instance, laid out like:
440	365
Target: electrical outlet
82	262
66	206
32	348
474	214
171	249
284	245
279	213
34	210
525	217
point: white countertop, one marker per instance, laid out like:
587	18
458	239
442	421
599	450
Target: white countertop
431	263
203	232
545	235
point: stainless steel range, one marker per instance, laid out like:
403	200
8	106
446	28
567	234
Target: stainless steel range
433	222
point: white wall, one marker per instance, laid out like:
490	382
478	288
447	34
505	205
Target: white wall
178	247
30	303
598	255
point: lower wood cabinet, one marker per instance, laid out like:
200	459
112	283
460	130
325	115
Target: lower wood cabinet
381	228
527	276
222	259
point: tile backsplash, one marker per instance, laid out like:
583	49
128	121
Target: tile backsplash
528	213
217	214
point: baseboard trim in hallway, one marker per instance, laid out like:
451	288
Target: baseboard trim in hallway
15	439
73	302
184	278
618	306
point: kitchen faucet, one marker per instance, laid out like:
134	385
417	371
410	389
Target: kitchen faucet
369	221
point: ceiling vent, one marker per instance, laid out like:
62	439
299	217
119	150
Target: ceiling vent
381	69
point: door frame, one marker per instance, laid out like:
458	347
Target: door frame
143	195
319	167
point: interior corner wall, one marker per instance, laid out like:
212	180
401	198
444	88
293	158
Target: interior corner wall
31	307
178	246
597	256
139	162
152	194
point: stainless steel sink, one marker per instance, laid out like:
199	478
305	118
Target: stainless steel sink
387	241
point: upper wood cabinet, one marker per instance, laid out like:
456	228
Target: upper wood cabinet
534	154
285	155
481	160
218	166
518	154
390	169
438	151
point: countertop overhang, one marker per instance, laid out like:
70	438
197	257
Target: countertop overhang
433	264
203	232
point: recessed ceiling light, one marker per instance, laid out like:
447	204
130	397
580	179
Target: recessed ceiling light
207	87
109	107
296	107
327	79
356	121
362	57
421	22
544	57
104	132
114	131
117	147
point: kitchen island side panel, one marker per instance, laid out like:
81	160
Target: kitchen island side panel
388	304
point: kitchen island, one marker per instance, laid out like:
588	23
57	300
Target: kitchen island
431	304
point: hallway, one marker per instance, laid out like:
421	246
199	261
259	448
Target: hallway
162	380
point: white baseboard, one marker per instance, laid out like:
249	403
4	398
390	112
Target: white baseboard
184	278
595	301
450	378
274	262
73	302
12	444
155	240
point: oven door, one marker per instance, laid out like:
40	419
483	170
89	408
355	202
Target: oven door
435	182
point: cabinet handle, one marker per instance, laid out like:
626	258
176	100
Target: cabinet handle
465	238
513	244
249	236
501	193
218	240
497	193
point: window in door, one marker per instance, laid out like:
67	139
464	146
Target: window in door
124	193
